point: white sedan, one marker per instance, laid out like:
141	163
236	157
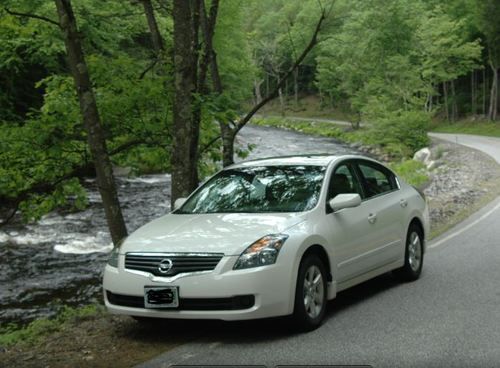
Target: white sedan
271	237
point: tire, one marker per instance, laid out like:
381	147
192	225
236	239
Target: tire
414	255
310	301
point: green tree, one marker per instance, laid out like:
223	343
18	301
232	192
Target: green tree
92	121
387	61
43	153
444	52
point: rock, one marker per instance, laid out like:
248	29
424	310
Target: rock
121	171
422	155
4	238
431	165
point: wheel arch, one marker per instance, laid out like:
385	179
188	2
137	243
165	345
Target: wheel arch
320	251
318	248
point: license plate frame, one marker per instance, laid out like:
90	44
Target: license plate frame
161	297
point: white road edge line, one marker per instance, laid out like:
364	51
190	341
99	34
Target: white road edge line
465	228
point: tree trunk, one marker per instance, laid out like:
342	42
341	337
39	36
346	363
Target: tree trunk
153	26
473	98
184	164
430	99
445	95
210	56
485	82
258	94
454	107
282	102
95	134
287	90
296	86
228	136
226	127
267	84
492	112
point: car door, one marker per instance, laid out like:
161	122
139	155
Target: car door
385	211
348	229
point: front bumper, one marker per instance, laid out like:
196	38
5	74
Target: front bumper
260	292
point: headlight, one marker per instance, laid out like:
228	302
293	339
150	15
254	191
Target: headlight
113	256
261	253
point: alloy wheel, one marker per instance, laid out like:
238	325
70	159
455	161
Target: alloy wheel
313	291
414	251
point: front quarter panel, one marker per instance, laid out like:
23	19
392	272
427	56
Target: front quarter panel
301	238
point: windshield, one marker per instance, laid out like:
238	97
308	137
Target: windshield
258	189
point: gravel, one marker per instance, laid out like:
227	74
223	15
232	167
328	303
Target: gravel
463	180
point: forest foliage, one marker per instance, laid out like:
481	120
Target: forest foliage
395	64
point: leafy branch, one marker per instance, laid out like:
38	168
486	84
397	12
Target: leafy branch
33	16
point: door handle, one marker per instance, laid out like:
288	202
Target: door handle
403	202
372	218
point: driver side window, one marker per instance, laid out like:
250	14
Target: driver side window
343	181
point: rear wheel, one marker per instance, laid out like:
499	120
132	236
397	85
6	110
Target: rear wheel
310	294
414	255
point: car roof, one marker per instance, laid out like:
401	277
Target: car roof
312	159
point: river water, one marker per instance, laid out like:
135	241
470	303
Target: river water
59	260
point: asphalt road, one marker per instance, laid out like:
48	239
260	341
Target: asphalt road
450	317
489	145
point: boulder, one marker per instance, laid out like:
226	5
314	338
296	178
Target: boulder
121	171
422	155
431	165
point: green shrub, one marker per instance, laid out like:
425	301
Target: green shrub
400	129
305	126
145	160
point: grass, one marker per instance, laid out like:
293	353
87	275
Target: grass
413	172
323	129
36	330
480	127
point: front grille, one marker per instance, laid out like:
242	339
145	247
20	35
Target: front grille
180	262
202	304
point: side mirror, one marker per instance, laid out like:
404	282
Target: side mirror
341	201
179	202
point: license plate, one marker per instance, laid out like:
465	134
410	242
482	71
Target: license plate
161	296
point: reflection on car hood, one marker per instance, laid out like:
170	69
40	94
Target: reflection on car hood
228	233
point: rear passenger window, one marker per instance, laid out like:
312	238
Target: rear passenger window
376	179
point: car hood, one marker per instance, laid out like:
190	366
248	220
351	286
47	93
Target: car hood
224	233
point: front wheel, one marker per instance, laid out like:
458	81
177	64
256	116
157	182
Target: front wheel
414	255
310	294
